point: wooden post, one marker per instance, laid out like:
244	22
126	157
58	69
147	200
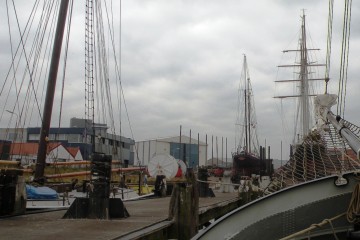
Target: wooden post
184	208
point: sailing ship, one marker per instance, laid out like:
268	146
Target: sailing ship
53	24
249	158
300	161
316	194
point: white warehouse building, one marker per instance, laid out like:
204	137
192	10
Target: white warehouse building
192	151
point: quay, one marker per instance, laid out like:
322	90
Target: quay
149	219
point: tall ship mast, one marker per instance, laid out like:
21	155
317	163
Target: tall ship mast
249	157
303	81
246	117
50	93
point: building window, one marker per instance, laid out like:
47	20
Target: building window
34	137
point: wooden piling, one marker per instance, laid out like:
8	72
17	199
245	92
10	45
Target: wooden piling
12	192
184	208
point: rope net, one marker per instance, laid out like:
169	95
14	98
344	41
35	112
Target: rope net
322	153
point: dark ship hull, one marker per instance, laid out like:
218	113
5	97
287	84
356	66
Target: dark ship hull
246	165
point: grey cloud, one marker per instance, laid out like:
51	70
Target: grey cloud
181	62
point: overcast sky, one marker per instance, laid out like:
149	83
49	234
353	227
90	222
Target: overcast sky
181	63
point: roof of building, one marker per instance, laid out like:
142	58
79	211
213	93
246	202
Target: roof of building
80	130
177	139
24	148
52	146
73	150
32	148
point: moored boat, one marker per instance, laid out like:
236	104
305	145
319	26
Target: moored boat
250	158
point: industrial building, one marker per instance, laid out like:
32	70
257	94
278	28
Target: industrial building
192	151
77	135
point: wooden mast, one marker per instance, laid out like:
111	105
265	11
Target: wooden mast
50	92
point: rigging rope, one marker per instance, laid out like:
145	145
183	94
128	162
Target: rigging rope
344	58
354	206
18	47
328	48
117	88
32	60
314	226
26	58
89	73
65	61
12	66
63	84
117	66
103	72
47	18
